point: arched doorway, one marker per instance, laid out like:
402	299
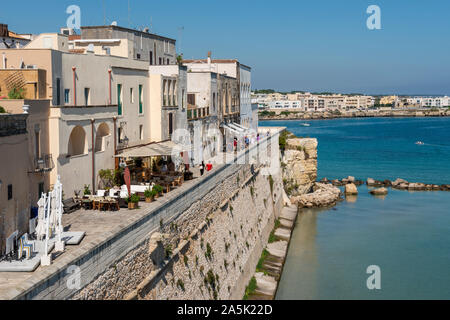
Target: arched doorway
100	138
77	142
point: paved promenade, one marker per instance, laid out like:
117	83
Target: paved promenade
109	235
99	226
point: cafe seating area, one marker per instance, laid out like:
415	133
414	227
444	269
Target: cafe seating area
148	166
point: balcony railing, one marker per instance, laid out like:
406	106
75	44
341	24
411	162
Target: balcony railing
44	163
198	113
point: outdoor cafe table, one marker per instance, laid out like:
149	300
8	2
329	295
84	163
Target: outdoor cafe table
87	203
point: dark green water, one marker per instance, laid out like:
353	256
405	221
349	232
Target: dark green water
406	234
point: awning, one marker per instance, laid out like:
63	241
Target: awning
231	129
234	126
240	126
165	148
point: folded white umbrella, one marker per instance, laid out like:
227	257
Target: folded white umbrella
53	211
40	228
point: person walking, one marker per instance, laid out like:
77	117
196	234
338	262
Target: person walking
202	168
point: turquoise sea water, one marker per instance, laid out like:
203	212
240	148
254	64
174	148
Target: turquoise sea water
406	234
380	148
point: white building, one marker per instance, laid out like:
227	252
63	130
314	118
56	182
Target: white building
286	104
12	40
430	102
234	69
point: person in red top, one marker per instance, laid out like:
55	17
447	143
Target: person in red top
209	166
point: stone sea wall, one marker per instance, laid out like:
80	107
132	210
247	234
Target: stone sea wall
208	252
299	172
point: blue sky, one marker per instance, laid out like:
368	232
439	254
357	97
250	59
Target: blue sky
320	45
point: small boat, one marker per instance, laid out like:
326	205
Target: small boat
305	124
420	143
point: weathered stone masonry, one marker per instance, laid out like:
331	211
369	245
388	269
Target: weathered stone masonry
115	267
233	220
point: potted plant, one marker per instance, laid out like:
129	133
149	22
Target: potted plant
133	201
149	195
86	190
158	190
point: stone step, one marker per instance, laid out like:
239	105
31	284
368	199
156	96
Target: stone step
265	285
282	233
289	213
288	224
277	249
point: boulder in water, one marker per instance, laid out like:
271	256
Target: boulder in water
379	191
351	189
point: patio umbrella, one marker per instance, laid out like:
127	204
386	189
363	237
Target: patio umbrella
40	228
53	210
58	208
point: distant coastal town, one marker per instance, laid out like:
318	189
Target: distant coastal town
307	105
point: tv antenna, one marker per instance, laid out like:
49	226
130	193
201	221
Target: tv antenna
129	14
180	38
104	12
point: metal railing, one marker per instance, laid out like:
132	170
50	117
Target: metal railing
44	163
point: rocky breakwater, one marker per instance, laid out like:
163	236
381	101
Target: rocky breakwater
402	184
380	187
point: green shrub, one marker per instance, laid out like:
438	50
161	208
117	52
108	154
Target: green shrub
107	177
16	93
149	193
259	266
157	188
133	199
86	190
250	289
2	110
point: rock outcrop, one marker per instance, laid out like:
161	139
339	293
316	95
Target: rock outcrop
299	165
324	195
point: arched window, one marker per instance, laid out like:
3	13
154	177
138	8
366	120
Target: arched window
77	142
100	138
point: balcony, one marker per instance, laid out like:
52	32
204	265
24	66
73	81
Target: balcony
197	113
44	163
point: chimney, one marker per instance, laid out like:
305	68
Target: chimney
209	58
